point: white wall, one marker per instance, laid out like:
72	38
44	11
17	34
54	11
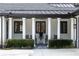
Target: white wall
28	28
16	35
53	27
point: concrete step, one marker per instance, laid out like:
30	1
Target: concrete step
41	46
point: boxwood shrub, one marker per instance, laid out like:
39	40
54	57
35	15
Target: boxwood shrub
61	43
20	43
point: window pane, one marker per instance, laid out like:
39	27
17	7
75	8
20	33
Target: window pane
63	26
37	27
18	26
40	26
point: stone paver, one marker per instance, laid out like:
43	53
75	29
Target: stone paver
40	52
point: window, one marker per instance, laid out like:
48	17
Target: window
17	26
40	26
63	26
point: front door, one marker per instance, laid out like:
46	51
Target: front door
40	30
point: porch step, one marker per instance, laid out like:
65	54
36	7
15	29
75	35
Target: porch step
41	46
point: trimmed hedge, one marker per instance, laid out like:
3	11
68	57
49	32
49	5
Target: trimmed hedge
62	43
20	43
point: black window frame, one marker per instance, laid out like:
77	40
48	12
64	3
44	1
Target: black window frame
19	26
62	31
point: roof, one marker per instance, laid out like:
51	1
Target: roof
38	8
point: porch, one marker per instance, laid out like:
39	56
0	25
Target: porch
27	28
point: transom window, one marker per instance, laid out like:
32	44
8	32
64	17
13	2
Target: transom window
63	27
17	26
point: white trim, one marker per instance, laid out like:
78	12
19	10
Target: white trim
10	28
33	28
58	28
72	30
49	28
24	28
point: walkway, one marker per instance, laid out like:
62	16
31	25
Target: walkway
40	52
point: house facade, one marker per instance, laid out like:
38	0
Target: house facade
40	22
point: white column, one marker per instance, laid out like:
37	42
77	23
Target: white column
58	28
0	30
3	30
49	28
72	30
10	29
24	28
33	28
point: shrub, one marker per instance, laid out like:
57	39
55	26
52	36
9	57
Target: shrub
62	43
20	43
